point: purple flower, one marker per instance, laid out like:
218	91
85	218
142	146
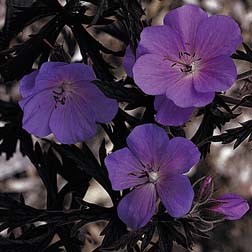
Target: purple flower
59	98
168	113
188	58
233	206
205	189
153	166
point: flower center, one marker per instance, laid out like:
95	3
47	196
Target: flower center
60	93
153	177
186	63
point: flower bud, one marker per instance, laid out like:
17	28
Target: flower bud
233	206
206	189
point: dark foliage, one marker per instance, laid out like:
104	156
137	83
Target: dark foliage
239	134
12	131
78	165
72	15
246	56
216	114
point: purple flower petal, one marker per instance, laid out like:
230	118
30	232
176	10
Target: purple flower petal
104	108
184	95
176	194
217	35
180	155
122	165
147	142
27	84
156	76
35	106
161	40
170	114
128	62
49	67
215	75
52	74
138	206
186	20
73	122
233	206
75	72
48	77
153	74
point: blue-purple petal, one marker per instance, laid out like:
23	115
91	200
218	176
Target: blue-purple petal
170	114
160	40
72	122
128	61
37	112
153	74
180	155
147	143
176	194
138	206
186	20
27	84
184	94
217	35
215	75
104	108
124	169
233	206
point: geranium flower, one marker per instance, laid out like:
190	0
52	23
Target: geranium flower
168	113
188	58
59	98
152	165
233	206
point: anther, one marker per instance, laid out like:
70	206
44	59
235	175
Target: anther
153	177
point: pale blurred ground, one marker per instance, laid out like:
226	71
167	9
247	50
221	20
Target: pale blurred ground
231	168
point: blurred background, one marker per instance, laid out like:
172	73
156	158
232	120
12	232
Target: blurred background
232	169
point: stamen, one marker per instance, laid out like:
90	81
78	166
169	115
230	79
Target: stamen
59	96
140	174
153	177
186	62
188	68
58	93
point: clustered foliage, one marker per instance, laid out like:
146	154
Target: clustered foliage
78	165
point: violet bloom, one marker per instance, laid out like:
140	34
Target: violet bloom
233	206
168	113
59	98
188	58
152	166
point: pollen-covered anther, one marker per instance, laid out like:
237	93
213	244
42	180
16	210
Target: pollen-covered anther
153	177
